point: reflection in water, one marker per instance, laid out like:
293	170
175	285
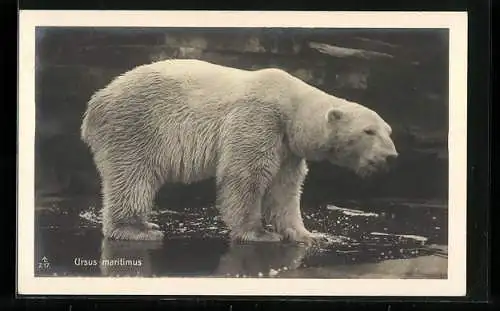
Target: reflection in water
257	260
260	259
135	258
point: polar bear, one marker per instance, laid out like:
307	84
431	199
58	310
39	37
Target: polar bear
188	120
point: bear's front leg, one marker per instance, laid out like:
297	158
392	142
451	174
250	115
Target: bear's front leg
282	203
248	161
239	199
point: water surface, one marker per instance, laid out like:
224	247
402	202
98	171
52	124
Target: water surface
371	239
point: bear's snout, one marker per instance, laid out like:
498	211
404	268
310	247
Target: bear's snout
391	159
384	162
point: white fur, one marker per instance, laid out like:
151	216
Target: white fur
189	120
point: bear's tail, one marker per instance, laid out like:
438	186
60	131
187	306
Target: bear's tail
84	127
88	123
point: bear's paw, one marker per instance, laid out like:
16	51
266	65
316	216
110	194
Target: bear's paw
256	236
303	236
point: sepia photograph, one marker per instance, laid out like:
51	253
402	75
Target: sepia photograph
242	153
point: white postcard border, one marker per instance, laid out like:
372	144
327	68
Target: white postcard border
455	285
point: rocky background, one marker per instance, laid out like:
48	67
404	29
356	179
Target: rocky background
402	74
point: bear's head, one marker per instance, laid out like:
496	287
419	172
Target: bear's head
357	138
344	133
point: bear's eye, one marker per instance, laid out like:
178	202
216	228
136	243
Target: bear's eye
369	131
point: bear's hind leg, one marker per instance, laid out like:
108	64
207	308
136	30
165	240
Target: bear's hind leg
127	206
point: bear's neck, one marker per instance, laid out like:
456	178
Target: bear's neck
304	116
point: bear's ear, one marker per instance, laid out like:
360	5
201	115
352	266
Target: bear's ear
333	115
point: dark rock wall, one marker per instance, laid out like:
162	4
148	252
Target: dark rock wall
402	74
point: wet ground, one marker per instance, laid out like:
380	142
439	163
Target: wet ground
371	239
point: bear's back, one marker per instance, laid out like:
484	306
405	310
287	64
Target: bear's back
196	67
203	83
